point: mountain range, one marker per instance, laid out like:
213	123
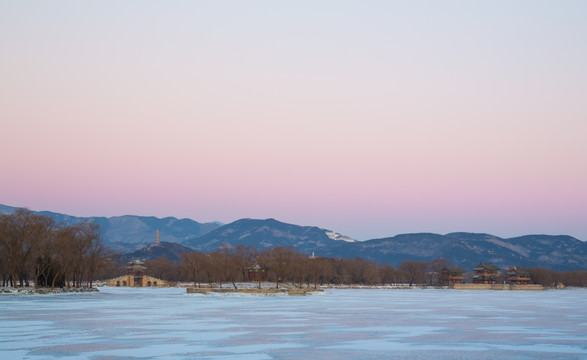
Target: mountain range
128	233
133	235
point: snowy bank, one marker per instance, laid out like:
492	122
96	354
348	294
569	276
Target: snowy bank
41	291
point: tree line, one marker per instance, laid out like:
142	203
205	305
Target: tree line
36	248
553	278
229	265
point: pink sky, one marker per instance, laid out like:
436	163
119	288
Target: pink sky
368	119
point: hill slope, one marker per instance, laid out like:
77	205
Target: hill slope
467	250
266	234
168	250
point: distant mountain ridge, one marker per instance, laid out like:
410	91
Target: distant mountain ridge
266	234
558	252
127	234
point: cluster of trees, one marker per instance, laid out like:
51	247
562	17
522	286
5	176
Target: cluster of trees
35	247
285	264
552	278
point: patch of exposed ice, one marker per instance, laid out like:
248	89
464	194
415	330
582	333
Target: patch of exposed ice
163	323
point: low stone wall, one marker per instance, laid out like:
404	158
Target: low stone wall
495	287
527	287
298	292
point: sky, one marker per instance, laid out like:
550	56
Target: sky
369	118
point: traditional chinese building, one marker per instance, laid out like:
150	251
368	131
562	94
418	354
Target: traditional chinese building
517	276
485	274
451	276
135	277
257	273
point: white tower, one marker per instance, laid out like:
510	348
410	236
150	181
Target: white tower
157	237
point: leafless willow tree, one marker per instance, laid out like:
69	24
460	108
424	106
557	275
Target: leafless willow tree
244	257
413	271
95	253
194	264
434	268
162	268
35	247
20	234
280	260
44	252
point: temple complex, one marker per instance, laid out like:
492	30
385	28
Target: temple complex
517	276
485	274
257	273
451	276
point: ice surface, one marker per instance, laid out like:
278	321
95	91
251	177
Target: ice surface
126	323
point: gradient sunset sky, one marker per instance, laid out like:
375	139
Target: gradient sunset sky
369	118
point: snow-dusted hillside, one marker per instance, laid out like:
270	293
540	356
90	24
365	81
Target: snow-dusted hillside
338	237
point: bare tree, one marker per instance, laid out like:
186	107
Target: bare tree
434	268
280	261
20	232
44	252
65	239
388	274
95	253
161	268
112	266
369	272
80	246
194	263
542	276
414	271
245	257
345	271
226	264
297	269
315	269
7	245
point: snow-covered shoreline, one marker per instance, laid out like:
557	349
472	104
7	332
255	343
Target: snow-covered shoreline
42	291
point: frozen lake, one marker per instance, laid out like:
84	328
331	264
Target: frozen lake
120	323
